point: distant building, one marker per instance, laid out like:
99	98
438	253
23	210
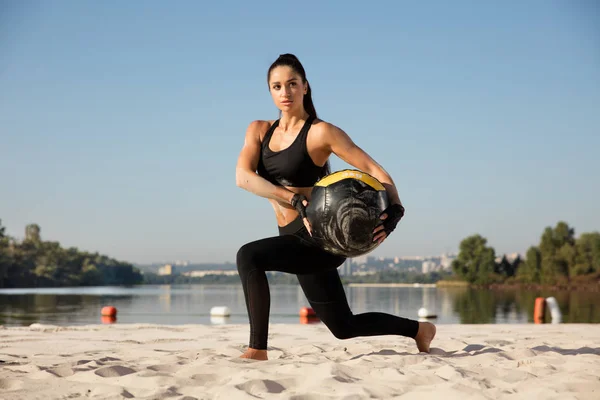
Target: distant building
166	269
346	268
364	273
413	258
428	266
446	261
360	259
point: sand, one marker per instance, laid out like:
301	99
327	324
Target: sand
118	361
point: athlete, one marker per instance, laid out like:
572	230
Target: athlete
281	160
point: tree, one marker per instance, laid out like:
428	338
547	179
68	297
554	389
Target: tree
32	233
5	259
557	251
558	258
505	268
475	262
587	258
530	269
516	264
37	263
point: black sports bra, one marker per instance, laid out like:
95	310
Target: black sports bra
291	166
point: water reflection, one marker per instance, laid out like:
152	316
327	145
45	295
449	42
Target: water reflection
24	309
191	304
506	306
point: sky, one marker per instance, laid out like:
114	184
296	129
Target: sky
121	122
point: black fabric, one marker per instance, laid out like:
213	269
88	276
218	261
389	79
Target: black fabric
298	203
291	166
395	212
295	252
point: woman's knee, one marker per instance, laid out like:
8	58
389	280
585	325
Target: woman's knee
340	329
246	258
339	323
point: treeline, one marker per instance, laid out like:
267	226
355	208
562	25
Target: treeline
151	278
559	259
33	262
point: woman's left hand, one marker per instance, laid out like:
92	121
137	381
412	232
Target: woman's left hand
390	217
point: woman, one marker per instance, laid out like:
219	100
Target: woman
281	161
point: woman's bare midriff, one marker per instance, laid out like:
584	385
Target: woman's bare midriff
284	212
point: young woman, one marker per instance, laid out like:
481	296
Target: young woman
281	160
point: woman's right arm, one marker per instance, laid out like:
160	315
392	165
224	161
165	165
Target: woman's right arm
245	171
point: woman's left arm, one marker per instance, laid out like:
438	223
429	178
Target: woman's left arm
339	143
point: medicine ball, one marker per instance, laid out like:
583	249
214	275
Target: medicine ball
344	210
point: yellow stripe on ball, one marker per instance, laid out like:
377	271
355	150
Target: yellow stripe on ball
351	173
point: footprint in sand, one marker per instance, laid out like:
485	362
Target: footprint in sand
499	342
65	370
106	359
206	379
10	384
473	347
163	368
114	371
344	374
257	386
450	373
61	372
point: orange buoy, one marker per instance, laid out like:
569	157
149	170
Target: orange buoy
539	310
109	311
309	320
307	312
108	319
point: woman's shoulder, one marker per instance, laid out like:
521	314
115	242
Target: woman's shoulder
261	123
259	127
323	124
325	128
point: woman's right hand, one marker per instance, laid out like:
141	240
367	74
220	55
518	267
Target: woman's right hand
300	202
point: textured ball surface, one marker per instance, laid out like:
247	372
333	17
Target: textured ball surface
344	210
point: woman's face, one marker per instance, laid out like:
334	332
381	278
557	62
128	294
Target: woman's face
287	88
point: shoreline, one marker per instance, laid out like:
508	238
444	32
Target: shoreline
415	285
576	286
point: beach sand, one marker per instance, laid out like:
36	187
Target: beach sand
306	362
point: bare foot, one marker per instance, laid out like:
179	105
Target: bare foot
255	354
425	336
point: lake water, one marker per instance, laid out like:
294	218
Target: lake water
191	304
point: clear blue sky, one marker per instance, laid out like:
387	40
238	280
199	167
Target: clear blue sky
121	122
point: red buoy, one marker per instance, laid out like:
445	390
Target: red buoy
109	311
307	312
108	319
539	310
309	320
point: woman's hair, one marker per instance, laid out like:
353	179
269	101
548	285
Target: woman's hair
290	60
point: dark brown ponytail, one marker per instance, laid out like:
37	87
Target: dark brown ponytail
308	103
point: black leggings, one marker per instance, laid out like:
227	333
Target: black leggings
294	251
